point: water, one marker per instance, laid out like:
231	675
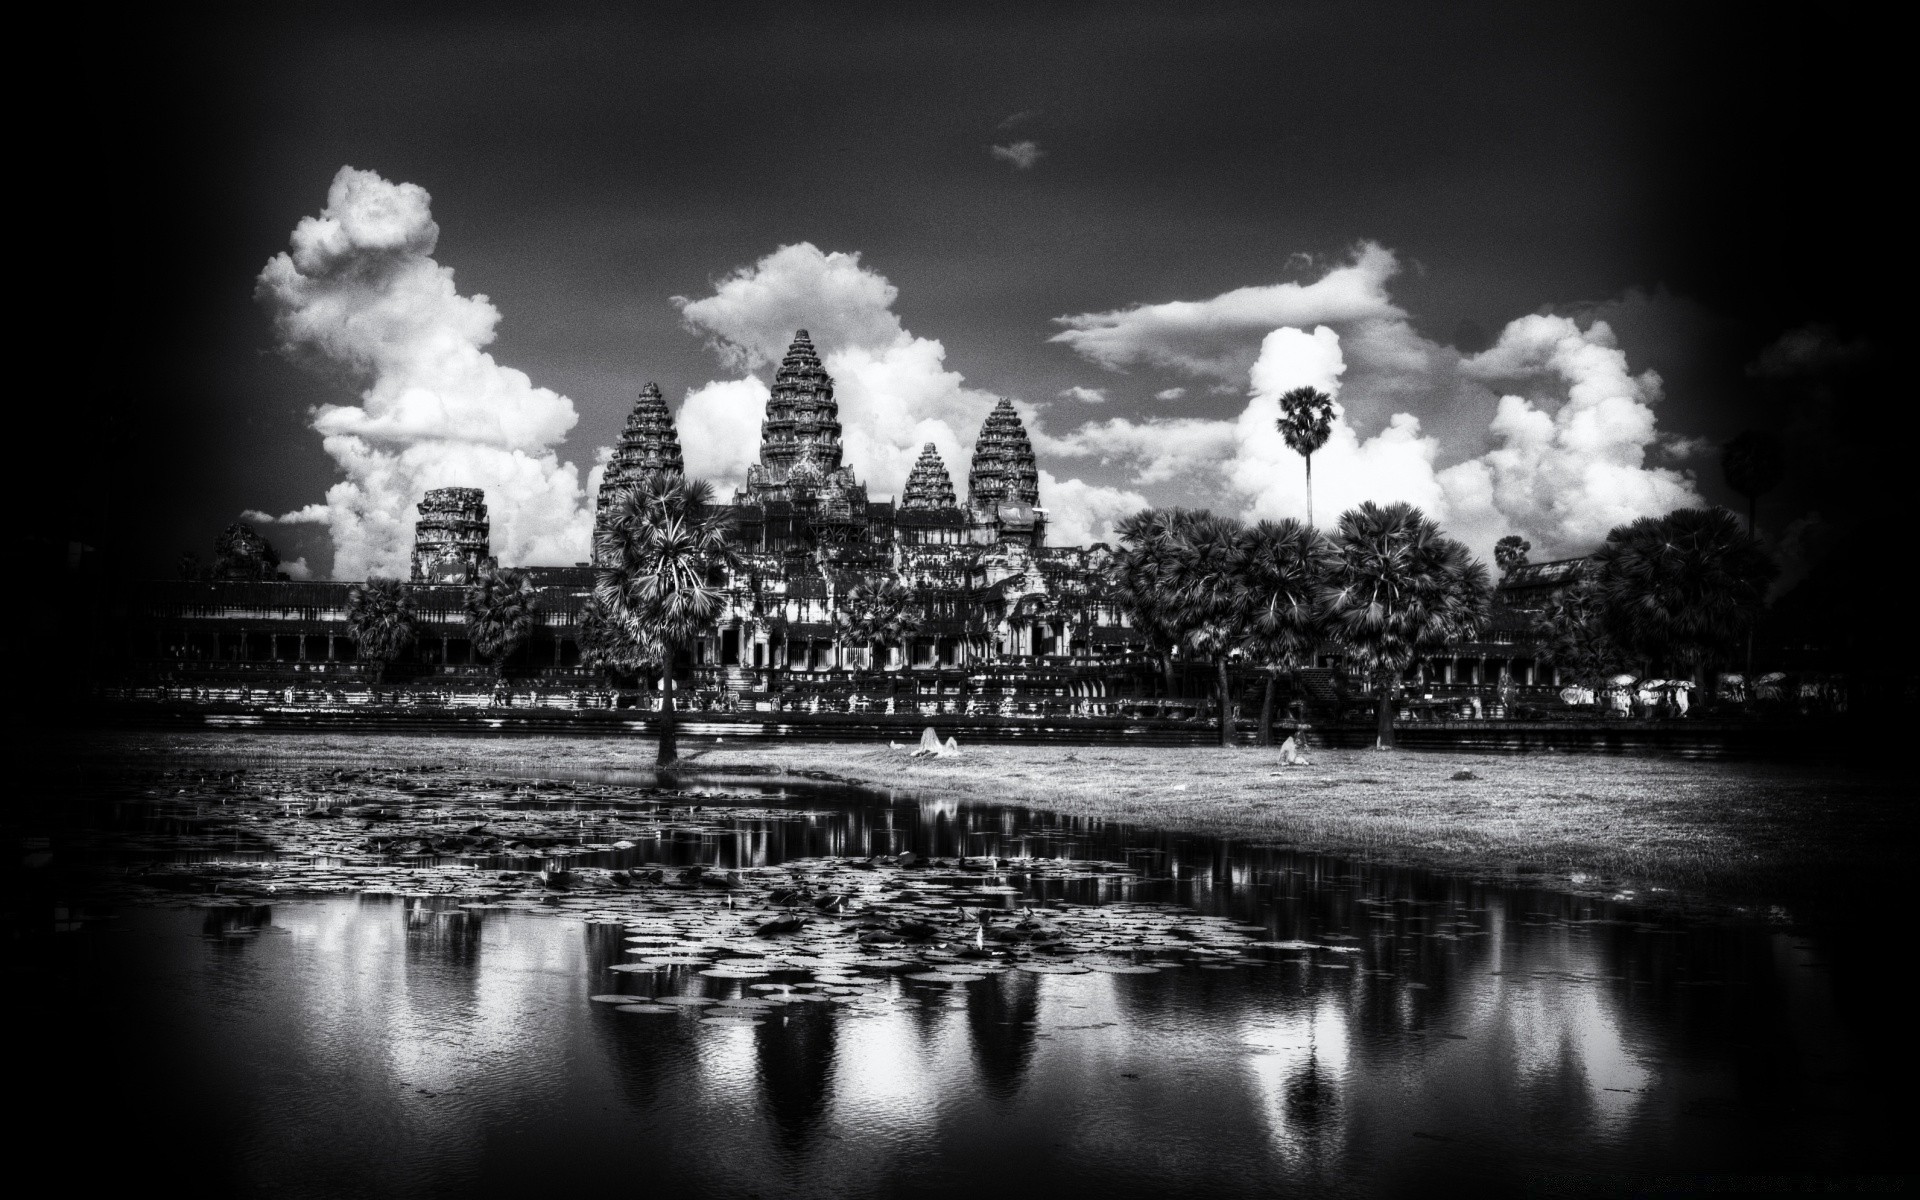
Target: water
1319	1026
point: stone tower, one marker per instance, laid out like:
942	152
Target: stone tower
1003	470
801	433
799	472
451	538
648	443
929	485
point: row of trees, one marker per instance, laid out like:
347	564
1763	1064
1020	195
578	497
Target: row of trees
1675	595
1386	588
502	608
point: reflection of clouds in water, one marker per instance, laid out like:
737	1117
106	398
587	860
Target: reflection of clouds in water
887	1075
1572	1029
1298	1066
728	1067
440	1022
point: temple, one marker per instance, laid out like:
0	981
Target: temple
999	621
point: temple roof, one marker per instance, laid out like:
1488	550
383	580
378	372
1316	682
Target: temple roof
801	431
929	485
1003	469
648	443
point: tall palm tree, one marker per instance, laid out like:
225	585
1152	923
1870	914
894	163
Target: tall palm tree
1683	588
1141	573
1753	463
1510	554
669	548
380	619
1400	589
877	613
610	647
1205	579
1285	570
501	608
1306	420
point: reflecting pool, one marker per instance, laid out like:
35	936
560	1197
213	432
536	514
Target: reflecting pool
489	986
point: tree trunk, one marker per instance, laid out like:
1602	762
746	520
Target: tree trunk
1383	711
1167	660
1226	705
1309	459
669	747
1266	711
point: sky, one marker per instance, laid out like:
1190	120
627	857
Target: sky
1547	259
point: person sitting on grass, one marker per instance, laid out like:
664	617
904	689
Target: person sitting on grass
1292	751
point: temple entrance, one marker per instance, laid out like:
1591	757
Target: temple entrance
730	648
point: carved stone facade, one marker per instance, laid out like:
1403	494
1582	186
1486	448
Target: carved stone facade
648	443
799	472
1003	484
929	485
451	540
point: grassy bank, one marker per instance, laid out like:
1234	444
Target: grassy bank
1750	833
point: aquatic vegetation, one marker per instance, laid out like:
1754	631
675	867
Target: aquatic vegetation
845	929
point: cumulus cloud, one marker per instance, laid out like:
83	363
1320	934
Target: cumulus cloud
1085	395
895	390
1022	154
1548	430
1081	513
360	291
1172	393
297	569
1219	338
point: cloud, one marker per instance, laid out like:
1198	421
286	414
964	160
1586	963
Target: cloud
1546	433
1809	350
297	569
1085	395
1172	393
1218	338
895	390
1022	154
1081	513
312	514
1026	114
360	291
719	425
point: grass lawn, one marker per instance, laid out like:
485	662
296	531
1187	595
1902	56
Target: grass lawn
1740	832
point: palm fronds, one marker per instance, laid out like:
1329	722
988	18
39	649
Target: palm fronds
380	618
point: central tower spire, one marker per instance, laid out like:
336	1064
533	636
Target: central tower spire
801	433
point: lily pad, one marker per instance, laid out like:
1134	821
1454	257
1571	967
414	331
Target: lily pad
656	1010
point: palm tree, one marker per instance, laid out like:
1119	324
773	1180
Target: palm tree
380	619
1145	578
1575	633
1306	419
1141	574
1285	570
610	647
1205	579
1510	554
501	608
877	613
669	548
1683	588
1753	463
1400	589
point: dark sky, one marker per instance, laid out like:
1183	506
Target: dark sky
586	168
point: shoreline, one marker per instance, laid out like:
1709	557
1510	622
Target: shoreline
1647	830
